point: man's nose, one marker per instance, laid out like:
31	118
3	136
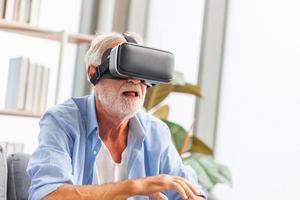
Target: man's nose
134	81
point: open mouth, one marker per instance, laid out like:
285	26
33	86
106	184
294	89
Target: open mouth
131	93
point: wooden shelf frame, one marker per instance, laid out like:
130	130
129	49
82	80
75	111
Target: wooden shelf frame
19	113
29	30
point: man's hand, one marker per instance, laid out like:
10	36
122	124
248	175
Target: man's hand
153	185
158	196
149	186
161	196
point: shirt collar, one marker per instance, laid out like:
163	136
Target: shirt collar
136	129
91	115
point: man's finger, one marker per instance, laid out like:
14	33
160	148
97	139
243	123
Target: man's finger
176	186
186	188
191	186
158	196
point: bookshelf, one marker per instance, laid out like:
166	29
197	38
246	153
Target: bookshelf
18	113
29	30
62	37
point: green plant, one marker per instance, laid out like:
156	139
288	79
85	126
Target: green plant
194	152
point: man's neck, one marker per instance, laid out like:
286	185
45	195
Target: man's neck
113	132
112	129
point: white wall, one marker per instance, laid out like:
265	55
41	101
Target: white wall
259	117
176	26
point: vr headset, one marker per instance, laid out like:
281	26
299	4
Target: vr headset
130	60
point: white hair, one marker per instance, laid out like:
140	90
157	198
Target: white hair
100	44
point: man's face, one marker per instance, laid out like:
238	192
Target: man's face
121	98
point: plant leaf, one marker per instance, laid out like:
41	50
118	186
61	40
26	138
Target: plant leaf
214	170
200	147
202	176
189	89
162	112
157	94
201	173
178	135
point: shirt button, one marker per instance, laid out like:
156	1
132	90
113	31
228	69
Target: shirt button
95	152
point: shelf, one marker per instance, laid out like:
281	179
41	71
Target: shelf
19	113
60	36
80	38
29	30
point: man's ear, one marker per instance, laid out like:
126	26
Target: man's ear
90	70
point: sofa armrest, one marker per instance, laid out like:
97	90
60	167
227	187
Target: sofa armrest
3	175
18	181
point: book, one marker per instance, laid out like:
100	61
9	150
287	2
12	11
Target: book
11	147
34	12
18	147
31	82
3	145
44	90
16	83
24	11
2	8
9	10
37	90
21	11
16	10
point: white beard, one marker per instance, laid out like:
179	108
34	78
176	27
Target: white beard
118	104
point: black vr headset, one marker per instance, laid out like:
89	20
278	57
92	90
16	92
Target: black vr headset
130	60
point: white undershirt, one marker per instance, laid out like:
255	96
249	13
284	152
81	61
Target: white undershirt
106	169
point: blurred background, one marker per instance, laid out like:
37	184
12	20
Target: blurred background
244	55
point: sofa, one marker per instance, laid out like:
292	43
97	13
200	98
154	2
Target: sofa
14	182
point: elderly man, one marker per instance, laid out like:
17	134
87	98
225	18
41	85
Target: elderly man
102	146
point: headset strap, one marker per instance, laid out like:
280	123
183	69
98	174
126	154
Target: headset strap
103	68
129	39
100	71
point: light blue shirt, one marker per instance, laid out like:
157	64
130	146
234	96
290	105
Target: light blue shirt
69	143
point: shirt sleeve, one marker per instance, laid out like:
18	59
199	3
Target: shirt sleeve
171	163
50	165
